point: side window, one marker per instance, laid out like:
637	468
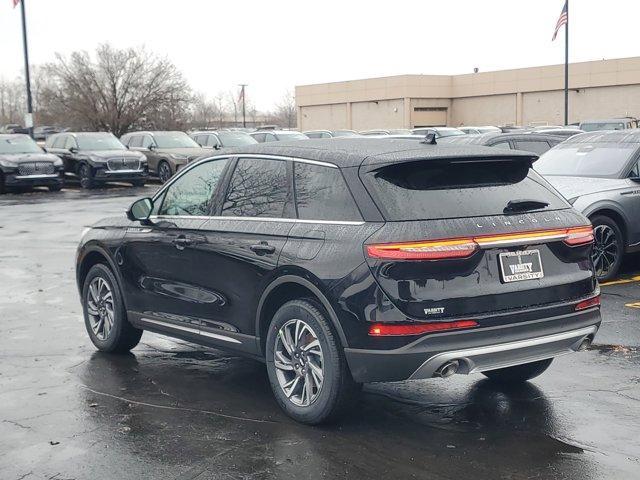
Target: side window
147	141
135	141
504	145
258	188
191	193
326	135
259	137
532	146
314	134
322	194
212	141
270	137
70	143
635	171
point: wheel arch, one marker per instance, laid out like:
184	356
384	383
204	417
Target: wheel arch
90	257
614	214
283	289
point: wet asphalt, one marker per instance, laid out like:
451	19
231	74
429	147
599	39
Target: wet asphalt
178	411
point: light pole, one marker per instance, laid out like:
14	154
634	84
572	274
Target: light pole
244	118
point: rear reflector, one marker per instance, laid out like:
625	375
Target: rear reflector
384	330
465	247
592	302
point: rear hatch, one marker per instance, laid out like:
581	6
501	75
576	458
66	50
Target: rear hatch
465	238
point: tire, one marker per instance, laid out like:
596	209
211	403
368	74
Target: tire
519	373
164	171
86	177
138	183
608	249
3	188
337	392
121	336
55	188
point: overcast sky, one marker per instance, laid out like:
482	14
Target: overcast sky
274	45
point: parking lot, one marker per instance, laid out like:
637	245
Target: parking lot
175	410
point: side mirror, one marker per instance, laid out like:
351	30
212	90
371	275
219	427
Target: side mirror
635	179
140	210
152	147
73	150
217	146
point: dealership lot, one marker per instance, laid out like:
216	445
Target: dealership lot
174	410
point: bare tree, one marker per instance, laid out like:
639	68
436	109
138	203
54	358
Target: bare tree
116	90
285	113
12	101
232	98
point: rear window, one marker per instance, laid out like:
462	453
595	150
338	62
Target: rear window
429	190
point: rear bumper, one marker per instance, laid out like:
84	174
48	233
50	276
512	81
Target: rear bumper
476	350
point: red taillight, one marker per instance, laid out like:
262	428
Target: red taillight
436	250
384	330
465	247
591	302
579	236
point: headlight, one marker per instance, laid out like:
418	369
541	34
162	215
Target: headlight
58	162
7	163
177	156
143	158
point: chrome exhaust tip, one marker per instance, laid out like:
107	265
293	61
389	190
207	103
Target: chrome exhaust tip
448	369
585	344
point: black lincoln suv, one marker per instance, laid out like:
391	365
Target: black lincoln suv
98	157
24	164
339	262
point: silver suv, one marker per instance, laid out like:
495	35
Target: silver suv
599	173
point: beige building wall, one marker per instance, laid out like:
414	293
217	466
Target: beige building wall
485	110
370	115
525	96
317	117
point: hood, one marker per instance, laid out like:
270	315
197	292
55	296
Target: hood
187	152
28	157
572	187
104	154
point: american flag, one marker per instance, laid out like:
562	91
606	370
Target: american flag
564	18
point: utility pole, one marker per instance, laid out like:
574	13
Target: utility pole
244	114
566	69
29	118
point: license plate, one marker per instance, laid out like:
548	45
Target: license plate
523	265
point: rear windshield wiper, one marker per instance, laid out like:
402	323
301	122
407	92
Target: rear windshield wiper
523	205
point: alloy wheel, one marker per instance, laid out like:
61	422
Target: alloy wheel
164	173
605	250
100	308
299	362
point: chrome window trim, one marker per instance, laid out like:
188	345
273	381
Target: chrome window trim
240	155
258	219
197	331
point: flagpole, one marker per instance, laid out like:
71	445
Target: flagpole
29	119
566	69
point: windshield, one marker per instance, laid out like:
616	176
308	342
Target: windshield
174	140
606	160
345	133
236	139
596	126
292	136
19	145
99	142
449	132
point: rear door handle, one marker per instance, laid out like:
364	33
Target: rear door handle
263	248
